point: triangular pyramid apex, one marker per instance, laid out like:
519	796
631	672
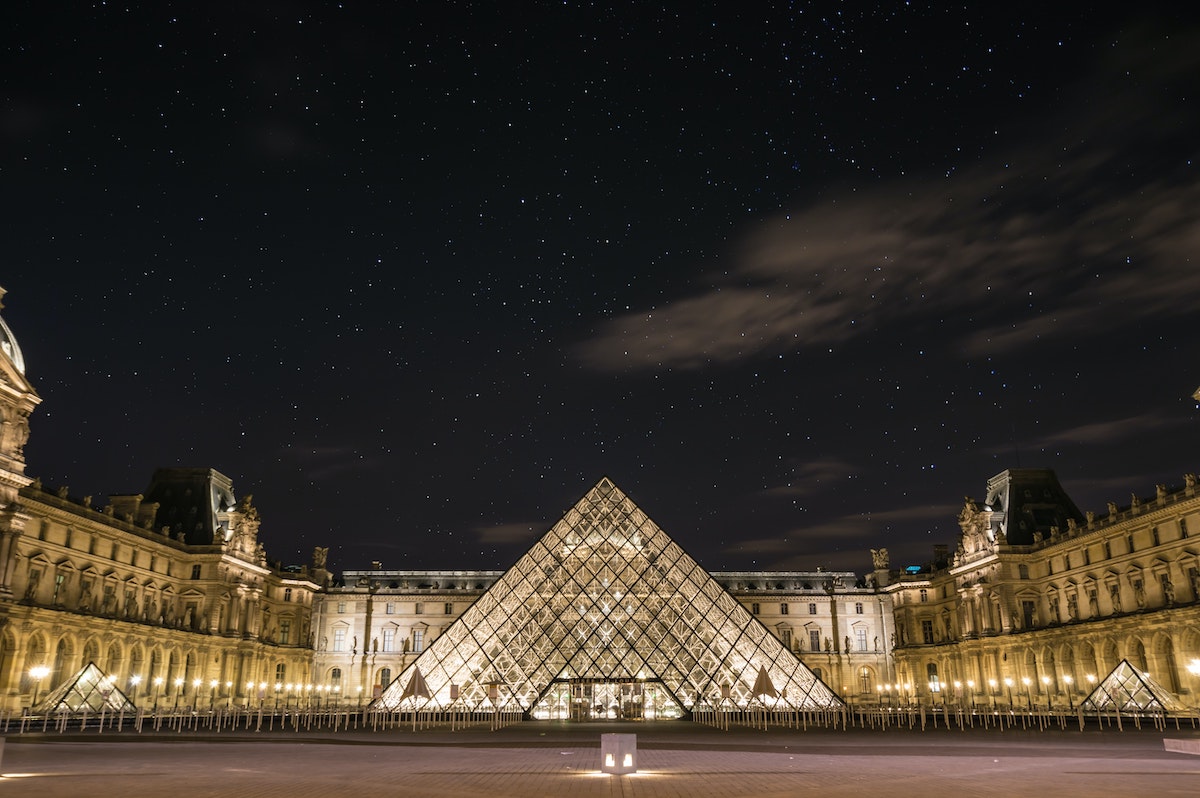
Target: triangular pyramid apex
605	489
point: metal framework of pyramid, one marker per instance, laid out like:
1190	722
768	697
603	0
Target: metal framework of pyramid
91	690
1125	689
606	597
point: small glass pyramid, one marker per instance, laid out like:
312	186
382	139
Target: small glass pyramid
90	690
606	616
1127	690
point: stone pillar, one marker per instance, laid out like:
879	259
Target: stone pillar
250	621
12	526
17	665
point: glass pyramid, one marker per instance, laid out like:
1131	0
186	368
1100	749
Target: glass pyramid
1125	689
91	690
607	612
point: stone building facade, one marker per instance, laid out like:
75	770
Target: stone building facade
169	591
1039	600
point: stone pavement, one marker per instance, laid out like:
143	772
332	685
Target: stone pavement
553	759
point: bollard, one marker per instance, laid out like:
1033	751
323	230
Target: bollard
618	753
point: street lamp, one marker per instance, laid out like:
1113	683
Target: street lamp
1070	680
178	690
212	694
1046	687
971	689
1008	683
1025	680
37	673
158	682
134	681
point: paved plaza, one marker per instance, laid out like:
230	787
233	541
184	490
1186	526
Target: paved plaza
553	759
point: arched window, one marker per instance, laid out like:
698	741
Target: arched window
931	673
280	672
865	685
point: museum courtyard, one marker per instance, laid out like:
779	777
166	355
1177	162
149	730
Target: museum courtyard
543	758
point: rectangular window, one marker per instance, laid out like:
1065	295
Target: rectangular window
754	608
339	639
858	608
418	640
1028	610
814	639
1183	532
449	608
389	640
860	639
58	583
341	608
812	609
783	609
927	631
390	609
785	637
280	672
285	632
1153	536
287	594
924	595
195	572
419	609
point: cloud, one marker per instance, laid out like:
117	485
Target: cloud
1109	432
853	528
1044	240
808	476
517	532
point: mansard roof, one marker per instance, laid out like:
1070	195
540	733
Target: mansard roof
189	500
1028	500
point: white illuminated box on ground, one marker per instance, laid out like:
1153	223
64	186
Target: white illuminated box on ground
618	753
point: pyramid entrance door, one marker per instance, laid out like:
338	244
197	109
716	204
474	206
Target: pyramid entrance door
602	699
603	603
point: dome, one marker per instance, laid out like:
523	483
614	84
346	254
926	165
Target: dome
8	343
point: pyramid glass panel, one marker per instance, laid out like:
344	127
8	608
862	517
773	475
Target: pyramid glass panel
606	616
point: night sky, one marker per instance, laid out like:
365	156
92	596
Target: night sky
798	279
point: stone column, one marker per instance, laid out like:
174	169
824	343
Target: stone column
12	526
250	622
